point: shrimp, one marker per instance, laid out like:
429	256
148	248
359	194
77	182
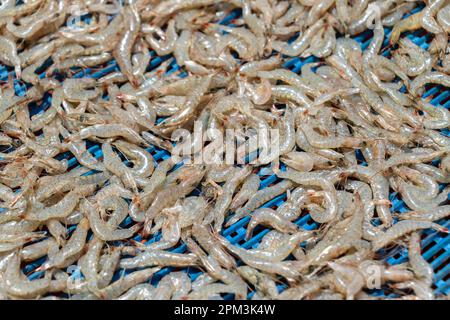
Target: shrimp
167	43
122	52
411	58
72	250
169	196
9	56
123	284
272	218
259	198
402	228
420	266
159	258
315	179
207	241
248	189
103	230
64	207
224	200
428	215
443	18
428	21
280	268
428	77
413	22
297	47
17	285
108	131
143	163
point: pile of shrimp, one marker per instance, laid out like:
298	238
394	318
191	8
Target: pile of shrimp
354	128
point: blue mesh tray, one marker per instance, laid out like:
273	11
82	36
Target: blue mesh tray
435	246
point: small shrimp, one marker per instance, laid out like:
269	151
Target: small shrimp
72	250
108	131
421	289
168	40
427	215
428	21
270	218
326	182
259	198
117	288
280	268
443	18
252	69
428	77
169	196
175	285
143	164
9	56
122	52
247	190
159	258
413	22
209	243
264	283
422	269
101	229
75	89
402	228
225	198
113	163
64	207
17	284
297	47
38	250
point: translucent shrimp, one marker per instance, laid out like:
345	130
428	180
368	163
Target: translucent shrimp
297	47
224	200
428	21
265	284
279	268
167	43
123	284
17	285
259	198
420	266
38	250
108	131
206	239
64	207
415	200
167	197
402	228
271	218
122	52
443	18
89	263
429	77
72	250
175	285
159	258
143	164
411	58
413	22
101	229
319	180
248	189
9	56
251	69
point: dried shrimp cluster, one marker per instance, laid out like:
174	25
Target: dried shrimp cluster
90	212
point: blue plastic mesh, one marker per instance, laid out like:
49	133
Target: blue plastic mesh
435	246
